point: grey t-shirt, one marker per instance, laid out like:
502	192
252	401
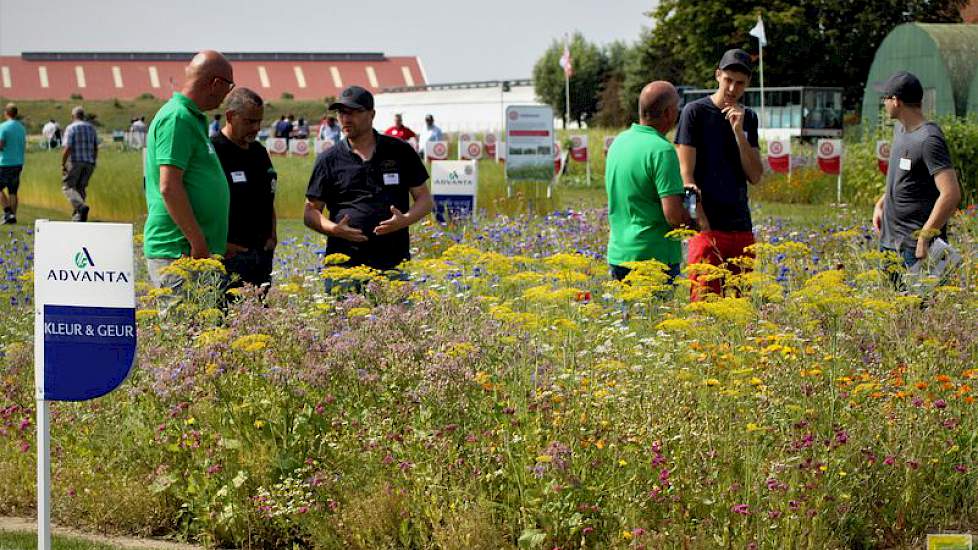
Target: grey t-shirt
915	157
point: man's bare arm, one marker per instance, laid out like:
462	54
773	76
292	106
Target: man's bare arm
178	205
313	218
947	202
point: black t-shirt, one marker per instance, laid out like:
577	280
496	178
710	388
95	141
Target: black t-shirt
719	173
252	179
365	191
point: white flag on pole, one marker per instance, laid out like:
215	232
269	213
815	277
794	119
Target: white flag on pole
758	31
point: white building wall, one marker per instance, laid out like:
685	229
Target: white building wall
455	110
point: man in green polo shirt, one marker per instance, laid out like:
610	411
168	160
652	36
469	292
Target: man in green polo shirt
644	186
187	197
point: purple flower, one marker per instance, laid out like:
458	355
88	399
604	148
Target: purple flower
961	468
889	460
741	509
940	404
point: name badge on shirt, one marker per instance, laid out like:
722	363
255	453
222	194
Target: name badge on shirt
392	179
904	164
238	177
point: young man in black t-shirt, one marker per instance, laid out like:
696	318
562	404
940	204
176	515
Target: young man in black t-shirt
718	156
252	234
367	182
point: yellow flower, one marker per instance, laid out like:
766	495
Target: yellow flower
210	337
335	259
147	314
290	288
711	382
259	424
358	312
543	459
252	342
675	325
752	427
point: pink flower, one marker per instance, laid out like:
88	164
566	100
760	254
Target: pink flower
961	468
741	509
940	404
889	460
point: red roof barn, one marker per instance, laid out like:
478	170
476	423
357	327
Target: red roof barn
122	75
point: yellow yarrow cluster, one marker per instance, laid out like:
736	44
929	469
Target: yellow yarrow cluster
251	343
506	315
547	295
728	309
335	259
360	273
211	337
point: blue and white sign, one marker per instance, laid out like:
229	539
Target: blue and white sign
454	184
85	309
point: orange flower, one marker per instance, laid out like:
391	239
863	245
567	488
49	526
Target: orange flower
920	385
943	378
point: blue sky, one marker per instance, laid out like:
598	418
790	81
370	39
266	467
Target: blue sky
457	40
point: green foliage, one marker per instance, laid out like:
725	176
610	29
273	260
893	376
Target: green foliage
962	140
590	67
810	42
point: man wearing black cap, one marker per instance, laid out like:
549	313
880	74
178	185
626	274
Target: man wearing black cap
922	188
718	155
365	182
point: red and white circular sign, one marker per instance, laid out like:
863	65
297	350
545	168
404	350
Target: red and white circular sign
776	148
474	149
277	146
440	150
883	150
827	149
576	141
465	137
513	115
490	139
301	147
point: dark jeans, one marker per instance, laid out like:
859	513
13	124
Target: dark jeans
618	272
253	266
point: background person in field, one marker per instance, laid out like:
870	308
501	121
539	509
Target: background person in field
718	156
644	186
78	163
13	142
922	190
251	178
329	129
187	197
52	134
367	182
399	130
431	132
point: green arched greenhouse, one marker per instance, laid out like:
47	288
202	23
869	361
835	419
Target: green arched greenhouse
943	56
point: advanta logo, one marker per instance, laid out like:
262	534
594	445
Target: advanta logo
84	259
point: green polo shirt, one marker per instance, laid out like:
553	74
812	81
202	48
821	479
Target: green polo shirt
178	137
641	168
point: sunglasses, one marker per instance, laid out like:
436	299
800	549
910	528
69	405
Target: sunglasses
230	83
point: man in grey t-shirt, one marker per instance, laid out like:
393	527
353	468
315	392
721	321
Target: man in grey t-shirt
922	190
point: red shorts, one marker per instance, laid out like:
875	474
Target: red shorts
716	248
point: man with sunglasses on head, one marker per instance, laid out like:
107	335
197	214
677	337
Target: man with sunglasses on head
187	197
367	182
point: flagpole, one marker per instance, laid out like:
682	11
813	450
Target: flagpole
567	85
761	48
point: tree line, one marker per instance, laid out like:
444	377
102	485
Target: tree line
810	43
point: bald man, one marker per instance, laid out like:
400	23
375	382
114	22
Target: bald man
644	186
187	197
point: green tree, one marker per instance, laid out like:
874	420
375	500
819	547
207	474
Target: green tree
614	108
589	64
810	42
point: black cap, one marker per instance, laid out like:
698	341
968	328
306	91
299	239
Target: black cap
736	59
903	86
354	97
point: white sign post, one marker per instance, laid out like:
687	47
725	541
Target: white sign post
84	326
454	186
529	145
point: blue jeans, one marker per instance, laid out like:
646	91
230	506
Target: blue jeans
909	258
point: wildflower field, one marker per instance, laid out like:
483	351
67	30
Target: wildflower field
510	394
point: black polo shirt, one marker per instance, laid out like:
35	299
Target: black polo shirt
252	179
365	191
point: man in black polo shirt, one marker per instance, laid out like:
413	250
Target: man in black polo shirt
252	232
718	156
365	182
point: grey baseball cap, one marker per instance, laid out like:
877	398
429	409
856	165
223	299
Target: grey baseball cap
354	97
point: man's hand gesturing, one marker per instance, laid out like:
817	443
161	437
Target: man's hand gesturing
396	222
343	230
